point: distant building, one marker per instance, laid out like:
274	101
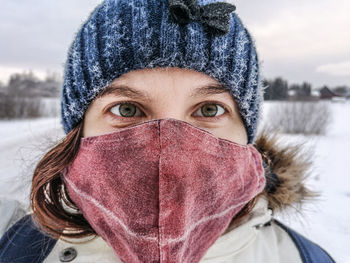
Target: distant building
327	94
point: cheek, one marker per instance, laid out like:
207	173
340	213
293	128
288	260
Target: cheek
97	126
233	131
95	123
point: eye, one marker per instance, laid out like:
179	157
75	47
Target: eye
127	110
210	110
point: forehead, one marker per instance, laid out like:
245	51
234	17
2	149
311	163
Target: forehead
174	79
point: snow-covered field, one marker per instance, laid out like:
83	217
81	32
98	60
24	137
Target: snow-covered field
325	221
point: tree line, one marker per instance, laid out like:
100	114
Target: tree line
24	95
279	89
29	86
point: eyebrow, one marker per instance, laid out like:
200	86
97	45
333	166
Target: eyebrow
127	91
209	89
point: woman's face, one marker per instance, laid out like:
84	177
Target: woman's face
159	93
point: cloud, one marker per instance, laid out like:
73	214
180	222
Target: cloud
37	33
305	30
335	69
293	38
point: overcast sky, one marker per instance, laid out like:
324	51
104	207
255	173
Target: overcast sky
298	40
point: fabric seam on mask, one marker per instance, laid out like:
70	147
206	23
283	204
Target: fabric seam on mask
107	211
159	173
115	133
210	136
228	144
214	216
116	139
187	232
205	219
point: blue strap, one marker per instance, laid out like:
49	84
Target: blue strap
24	243
309	251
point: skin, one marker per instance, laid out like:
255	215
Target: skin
169	93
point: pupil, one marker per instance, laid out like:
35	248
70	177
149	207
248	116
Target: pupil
209	110
127	110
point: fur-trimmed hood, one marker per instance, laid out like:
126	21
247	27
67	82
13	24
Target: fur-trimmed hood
287	167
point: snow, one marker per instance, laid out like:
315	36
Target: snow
325	220
22	144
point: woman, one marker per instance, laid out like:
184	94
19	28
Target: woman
160	104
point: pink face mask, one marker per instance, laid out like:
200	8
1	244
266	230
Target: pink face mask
163	190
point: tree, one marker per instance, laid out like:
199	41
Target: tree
305	91
22	84
28	85
2	87
341	90
277	89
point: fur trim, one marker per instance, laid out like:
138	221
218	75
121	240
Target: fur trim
286	168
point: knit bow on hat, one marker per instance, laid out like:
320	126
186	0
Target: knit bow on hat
215	17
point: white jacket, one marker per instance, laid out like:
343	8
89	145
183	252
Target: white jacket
251	242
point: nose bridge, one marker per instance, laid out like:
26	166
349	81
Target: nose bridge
171	115
171	109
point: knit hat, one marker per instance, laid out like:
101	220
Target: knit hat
124	35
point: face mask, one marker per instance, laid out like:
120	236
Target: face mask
163	190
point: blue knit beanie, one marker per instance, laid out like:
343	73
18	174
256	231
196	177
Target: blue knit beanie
124	35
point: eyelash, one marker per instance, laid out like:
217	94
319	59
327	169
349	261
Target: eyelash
136	105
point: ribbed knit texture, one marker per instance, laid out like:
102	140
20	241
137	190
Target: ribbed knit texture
124	35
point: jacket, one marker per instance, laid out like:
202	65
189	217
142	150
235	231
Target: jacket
259	238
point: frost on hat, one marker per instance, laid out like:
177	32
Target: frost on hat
124	35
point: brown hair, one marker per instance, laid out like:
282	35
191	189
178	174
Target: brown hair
50	200
49	197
